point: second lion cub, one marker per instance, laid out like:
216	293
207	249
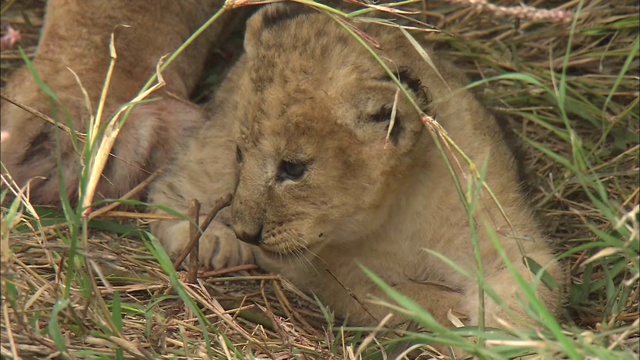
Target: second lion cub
299	133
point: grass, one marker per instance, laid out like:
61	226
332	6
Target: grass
104	289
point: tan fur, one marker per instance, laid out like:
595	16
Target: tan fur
76	35
305	93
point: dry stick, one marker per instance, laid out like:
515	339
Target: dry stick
403	345
252	313
126	196
98	300
371	336
518	12
42	116
248	278
106	209
95	129
130	347
217	206
12	343
234	308
214	305
79	135
267	309
228	270
194	229
290	310
106	143
624	335
353	295
20	193
137	215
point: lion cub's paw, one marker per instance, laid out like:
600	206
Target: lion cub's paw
219	247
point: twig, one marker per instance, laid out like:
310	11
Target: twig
290	311
217	206
97	162
353	296
371	336
519	12
194	229
216	273
137	215
42	116
128	195
214	305
12	344
79	135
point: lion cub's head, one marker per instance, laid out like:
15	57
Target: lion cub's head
317	161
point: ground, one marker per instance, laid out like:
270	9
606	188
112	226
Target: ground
570	91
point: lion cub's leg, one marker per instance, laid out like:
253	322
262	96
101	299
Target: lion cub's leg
437	300
348	291
76	36
434	286
462	301
514	301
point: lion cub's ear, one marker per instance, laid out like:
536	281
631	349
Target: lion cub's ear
421	93
406	120
269	18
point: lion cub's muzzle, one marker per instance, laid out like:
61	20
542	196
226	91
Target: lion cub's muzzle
247	226
247	208
253	237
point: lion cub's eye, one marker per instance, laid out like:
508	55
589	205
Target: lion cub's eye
293	171
238	155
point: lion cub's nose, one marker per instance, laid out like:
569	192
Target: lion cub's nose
250	237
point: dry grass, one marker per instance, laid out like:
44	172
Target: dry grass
125	304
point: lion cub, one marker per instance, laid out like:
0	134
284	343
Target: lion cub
298	133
